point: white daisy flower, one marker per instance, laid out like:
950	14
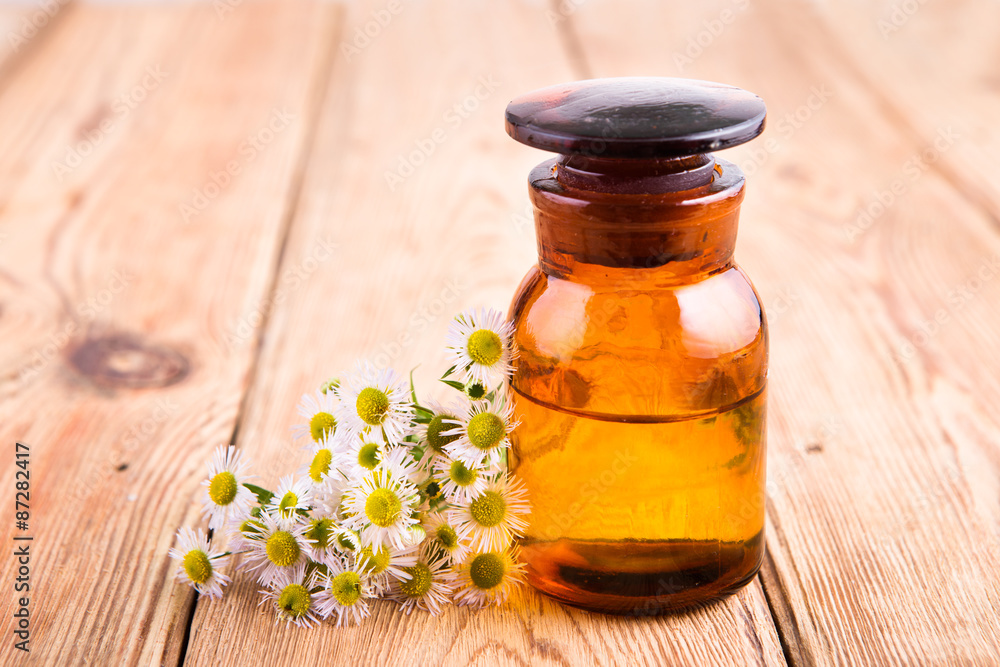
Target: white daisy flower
374	401
225	493
320	536
399	463
476	391
293	595
496	516
384	564
450	538
346	542
317	411
487	578
291	496
241	530
345	592
329	494
429	585
480	345
277	546
483	432
321	462
432	434
381	508
458	482
199	565
358	455
330	386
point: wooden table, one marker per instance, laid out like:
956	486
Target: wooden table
198	222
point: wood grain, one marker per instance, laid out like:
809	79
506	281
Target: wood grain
450	236
116	368
884	454
139	334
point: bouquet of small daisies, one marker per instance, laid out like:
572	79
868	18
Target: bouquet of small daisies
398	498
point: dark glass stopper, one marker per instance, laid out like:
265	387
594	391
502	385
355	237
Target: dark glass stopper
636	117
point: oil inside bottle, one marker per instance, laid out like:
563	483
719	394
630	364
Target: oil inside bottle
641	514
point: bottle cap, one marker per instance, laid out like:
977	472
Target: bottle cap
636	117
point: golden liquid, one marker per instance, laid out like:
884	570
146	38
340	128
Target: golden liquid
641	514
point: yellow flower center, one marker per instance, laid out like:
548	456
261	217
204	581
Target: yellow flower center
419	582
346	588
197	566
322	425
288	503
461	475
251	528
486	430
372	405
437	425
320	465
383	507
447	536
485	347
295	600
375	562
320	531
368	456
222	489
282	548
488	510
487	571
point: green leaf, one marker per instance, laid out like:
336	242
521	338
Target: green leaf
455	385
413	389
423	415
263	495
449	372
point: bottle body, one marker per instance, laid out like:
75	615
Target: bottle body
640	387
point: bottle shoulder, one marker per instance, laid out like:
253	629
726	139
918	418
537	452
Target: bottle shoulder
692	346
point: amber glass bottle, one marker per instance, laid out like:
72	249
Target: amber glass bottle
642	348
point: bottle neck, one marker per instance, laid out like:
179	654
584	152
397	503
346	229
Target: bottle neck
653	221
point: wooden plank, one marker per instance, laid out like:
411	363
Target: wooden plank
117	366
884	453
936	71
23	28
449	236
